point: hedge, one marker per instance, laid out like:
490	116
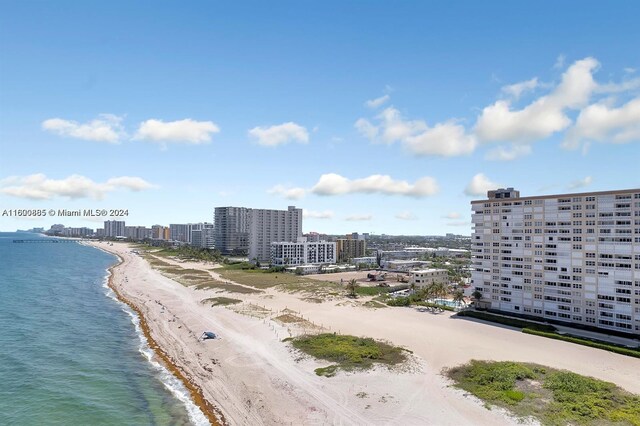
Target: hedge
511	322
605	346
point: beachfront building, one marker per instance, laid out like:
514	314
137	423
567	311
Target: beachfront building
114	228
350	247
302	252
137	232
202	236
77	232
268	226
573	258
180	232
157	232
425	277
231	230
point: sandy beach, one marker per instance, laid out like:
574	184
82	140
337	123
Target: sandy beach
251	377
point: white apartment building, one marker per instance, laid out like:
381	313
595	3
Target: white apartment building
114	228
202	236
572	257
302	252
268	226
425	277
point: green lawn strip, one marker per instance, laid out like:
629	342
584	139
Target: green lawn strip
231	288
347	352
511	322
371	291
221	301
258	278
622	350
552	396
189	253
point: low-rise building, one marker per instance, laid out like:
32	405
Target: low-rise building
426	277
302	252
370	260
404	265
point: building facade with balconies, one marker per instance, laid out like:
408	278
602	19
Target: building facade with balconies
573	258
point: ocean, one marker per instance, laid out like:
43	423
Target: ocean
70	353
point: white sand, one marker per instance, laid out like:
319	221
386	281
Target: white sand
255	379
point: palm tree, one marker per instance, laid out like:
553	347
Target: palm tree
458	297
352	287
438	290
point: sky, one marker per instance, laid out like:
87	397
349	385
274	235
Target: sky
381	117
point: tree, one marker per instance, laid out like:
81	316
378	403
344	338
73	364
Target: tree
379	258
352	287
458	297
477	295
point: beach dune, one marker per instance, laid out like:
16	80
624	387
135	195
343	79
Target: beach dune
249	376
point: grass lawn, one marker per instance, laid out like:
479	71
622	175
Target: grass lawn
221	301
347	352
258	278
554	397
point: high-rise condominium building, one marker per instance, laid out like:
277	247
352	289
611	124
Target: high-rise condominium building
180	232
114	228
573	257
268	226
202	236
231	230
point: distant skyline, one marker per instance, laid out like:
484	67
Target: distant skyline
381	117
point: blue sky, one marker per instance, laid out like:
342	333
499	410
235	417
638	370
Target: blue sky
382	117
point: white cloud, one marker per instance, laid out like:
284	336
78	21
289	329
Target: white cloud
581	183
602	123
39	187
624	86
129	182
375	103
452	215
544	116
366	129
290	193
280	134
509	153
559	62
335	184
517	89
311	214
105	128
479	185
629	70
358	217
186	131
444	139
406	215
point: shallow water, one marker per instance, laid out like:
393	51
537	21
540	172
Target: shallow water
70	354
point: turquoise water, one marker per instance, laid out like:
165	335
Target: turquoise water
446	302
70	354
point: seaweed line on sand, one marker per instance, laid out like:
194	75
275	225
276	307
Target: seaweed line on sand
209	410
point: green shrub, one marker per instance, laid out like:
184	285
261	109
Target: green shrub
348	352
586	342
552	396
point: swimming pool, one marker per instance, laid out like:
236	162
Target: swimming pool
449	303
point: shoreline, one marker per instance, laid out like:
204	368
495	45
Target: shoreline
212	414
250	377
